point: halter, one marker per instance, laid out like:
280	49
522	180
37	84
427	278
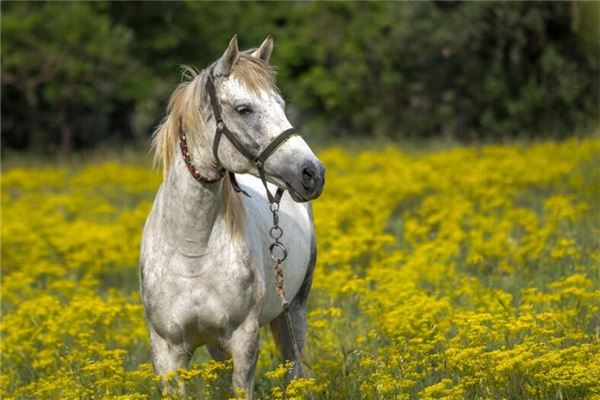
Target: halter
257	160
221	129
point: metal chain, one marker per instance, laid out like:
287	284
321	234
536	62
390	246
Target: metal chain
278	255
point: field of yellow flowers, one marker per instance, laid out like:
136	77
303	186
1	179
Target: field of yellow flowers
472	273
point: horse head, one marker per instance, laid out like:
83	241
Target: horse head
251	112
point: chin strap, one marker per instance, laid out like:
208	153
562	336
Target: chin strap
235	185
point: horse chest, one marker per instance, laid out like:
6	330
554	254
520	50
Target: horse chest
202	307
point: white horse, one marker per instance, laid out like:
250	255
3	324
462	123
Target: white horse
206	272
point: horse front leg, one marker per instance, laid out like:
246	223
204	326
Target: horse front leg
167	358
243	348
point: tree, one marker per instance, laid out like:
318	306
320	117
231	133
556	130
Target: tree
77	73
65	67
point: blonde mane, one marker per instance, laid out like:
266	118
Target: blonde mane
190	103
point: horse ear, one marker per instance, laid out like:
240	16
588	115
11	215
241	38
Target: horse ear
229	58
264	51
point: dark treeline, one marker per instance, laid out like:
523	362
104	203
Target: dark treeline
77	74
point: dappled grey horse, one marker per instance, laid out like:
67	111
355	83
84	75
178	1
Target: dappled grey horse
206	268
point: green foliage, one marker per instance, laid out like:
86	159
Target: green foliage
461	70
79	73
65	68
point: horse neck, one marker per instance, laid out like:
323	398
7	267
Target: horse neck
190	209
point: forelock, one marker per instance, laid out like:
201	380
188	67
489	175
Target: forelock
254	75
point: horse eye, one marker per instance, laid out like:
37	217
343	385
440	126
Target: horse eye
243	110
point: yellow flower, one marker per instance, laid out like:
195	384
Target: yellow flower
469	272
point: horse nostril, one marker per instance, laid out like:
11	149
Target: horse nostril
309	180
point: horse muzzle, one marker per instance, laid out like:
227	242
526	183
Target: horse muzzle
306	182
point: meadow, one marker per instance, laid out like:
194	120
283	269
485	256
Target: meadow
466	273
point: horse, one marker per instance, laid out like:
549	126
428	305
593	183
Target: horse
206	270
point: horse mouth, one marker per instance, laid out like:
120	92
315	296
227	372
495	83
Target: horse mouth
301	196
294	194
296	188
282	183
